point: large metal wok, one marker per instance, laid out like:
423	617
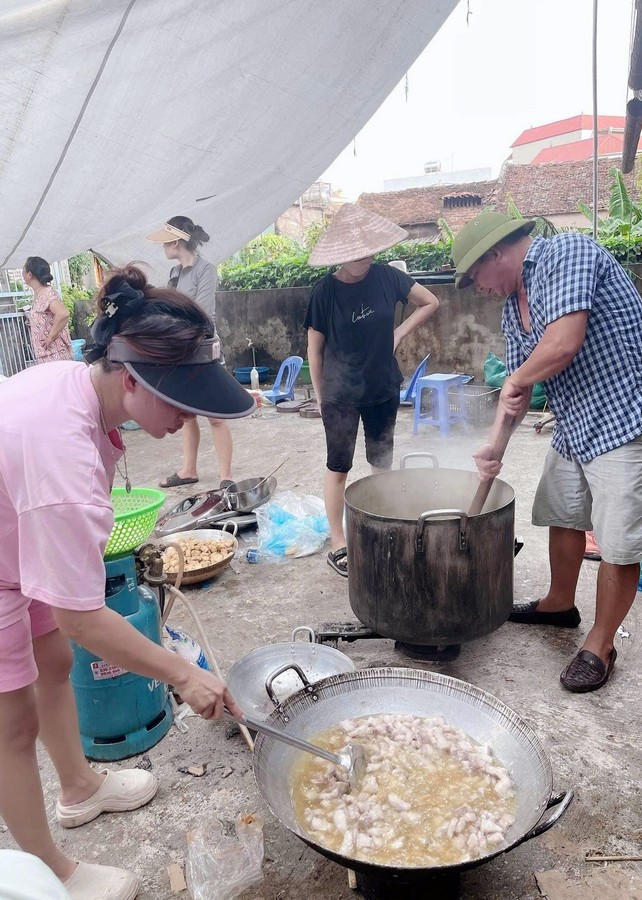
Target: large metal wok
392	690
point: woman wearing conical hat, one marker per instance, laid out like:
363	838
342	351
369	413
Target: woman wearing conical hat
352	341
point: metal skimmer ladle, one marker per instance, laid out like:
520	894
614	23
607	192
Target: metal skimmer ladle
352	759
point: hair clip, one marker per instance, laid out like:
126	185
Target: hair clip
111	309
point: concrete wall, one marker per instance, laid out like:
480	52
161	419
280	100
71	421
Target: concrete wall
459	337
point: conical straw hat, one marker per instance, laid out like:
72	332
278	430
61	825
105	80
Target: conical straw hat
353	234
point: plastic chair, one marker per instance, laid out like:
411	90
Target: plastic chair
407	394
440	413
284	382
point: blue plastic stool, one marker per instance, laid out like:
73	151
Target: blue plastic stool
440	413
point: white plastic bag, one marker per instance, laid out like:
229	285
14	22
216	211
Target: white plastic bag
185	646
291	526
221	868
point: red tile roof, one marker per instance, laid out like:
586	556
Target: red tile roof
418	206
547	190
564	126
556	188
607	145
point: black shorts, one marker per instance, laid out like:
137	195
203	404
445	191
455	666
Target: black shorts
341	423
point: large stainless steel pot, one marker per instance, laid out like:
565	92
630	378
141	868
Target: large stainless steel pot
421	570
264	678
389	690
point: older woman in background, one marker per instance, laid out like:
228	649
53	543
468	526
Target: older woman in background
49	316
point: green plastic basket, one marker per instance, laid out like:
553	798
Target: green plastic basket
135	517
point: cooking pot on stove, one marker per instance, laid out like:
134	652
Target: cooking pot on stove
481	716
421	570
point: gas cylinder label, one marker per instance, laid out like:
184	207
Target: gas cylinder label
102	670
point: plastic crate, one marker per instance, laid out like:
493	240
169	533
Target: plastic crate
480	403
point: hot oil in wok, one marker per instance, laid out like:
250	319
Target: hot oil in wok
431	796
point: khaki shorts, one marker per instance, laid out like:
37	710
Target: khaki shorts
603	495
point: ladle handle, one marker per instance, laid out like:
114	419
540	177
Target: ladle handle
280	735
271	473
481	495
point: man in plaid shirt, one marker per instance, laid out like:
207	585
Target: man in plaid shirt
573	320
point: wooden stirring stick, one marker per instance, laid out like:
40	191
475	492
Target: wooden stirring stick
481	495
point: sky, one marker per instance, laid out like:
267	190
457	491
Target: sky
515	64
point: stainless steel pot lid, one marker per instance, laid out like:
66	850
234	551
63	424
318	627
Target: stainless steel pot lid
194	512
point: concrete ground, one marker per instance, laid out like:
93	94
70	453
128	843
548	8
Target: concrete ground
593	740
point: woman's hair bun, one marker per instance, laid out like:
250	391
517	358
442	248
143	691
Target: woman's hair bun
39	268
200	235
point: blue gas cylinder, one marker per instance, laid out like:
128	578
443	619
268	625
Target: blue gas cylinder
121	714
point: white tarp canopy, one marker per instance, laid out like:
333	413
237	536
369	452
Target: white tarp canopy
116	115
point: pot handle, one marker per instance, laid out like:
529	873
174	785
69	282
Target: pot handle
233	528
308	631
269	681
562	802
441	514
419	455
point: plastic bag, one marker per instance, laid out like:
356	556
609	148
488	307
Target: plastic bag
185	646
495	375
291	526
220	867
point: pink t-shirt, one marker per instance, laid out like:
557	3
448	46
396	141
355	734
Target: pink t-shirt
56	471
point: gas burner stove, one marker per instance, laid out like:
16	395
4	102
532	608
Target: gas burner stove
444	886
333	632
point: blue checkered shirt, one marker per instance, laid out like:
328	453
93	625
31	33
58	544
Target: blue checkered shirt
597	399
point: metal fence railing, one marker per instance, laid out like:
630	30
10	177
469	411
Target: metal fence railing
16	352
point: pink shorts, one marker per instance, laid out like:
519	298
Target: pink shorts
17	663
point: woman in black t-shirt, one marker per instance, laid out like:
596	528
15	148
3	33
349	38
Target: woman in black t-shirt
352	340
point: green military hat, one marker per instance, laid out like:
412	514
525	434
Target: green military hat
478	236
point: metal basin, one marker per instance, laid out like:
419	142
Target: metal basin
264	678
389	690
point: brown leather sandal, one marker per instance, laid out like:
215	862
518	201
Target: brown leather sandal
587	672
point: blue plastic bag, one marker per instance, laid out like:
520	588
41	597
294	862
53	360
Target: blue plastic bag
291	526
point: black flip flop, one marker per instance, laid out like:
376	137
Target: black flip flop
175	480
335	559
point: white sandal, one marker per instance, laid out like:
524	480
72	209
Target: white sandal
121	790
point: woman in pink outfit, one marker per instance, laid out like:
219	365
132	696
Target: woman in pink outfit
49	316
155	361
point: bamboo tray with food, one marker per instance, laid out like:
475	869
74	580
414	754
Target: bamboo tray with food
205	553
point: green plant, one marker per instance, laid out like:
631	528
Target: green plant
313	235
621	231
294	271
79	266
70	295
447	234
267	247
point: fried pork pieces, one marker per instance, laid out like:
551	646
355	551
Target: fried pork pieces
431	796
